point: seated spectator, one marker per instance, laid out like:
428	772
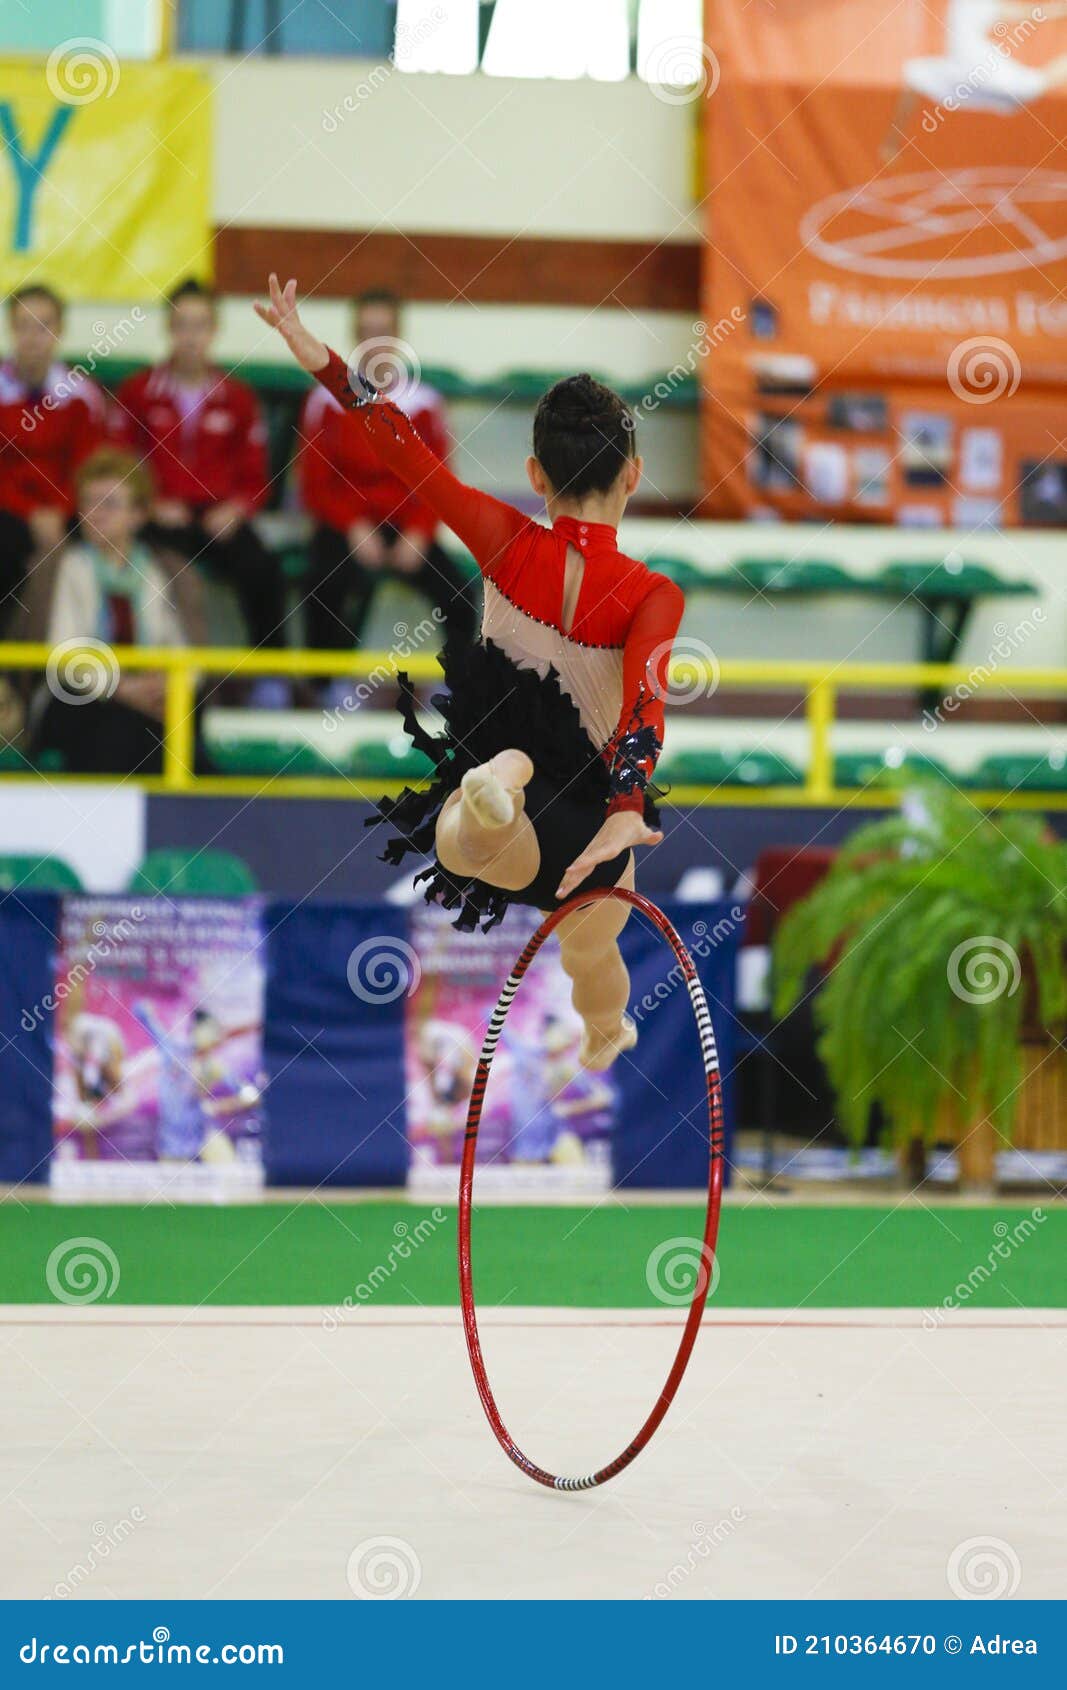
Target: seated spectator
367	522
108	588
202	436
51	418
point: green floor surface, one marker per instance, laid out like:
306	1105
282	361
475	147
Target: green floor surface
381	1253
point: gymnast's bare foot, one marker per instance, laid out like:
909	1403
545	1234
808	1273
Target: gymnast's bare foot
492	793
598	1052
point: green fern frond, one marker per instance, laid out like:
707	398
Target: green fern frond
943	927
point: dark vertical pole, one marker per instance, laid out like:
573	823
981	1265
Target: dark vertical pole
238	21
486	11
634	18
272	26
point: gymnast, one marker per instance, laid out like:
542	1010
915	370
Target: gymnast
554	718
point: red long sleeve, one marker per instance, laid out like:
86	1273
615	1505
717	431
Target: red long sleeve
486	525
645	667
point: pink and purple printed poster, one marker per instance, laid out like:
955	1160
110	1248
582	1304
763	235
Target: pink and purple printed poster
158	1048
547	1124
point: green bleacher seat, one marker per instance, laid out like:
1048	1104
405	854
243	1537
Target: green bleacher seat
528	385
294	561
37	874
287	382
794	575
689	576
888	768
388	760
175	873
450	384
728	768
1023	771
271	756
14	761
663	389
946	577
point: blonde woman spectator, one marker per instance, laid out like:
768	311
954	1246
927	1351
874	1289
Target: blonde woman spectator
111	591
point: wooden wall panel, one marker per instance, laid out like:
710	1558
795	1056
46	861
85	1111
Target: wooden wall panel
478	269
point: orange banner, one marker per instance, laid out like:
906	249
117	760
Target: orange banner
885	287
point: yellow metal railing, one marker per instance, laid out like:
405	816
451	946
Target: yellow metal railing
821	684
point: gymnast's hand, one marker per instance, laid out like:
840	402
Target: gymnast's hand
282	314
621	831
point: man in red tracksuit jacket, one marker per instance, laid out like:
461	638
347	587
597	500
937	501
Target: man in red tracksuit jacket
367	523
202	436
51	419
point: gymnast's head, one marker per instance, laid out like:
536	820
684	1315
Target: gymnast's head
584	450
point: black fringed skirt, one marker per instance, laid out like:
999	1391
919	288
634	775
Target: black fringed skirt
494	705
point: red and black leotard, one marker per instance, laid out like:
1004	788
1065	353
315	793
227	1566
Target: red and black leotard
584	701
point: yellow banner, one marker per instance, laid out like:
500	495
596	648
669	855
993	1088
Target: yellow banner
105	174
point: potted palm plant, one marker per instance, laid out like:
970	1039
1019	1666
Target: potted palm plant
943	935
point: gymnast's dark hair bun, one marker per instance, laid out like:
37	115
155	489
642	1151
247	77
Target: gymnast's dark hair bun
583	435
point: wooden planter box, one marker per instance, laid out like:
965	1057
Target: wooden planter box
1040	1122
1040	1119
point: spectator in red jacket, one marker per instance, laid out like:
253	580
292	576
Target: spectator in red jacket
367	522
201	433
51	418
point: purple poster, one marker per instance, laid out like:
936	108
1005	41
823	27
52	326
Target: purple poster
547	1123
158	1059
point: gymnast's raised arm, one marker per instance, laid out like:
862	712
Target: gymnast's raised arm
486	525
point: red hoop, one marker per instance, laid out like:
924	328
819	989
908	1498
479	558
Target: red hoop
711	1223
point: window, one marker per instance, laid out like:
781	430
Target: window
562	38
439	35
670	42
286	26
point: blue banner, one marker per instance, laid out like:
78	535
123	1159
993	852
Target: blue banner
757	1642
29	924
341	980
337	979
